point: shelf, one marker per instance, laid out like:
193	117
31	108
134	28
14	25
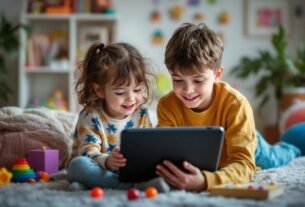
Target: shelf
46	70
54	38
91	17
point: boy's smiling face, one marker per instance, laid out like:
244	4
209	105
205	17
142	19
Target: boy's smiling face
196	90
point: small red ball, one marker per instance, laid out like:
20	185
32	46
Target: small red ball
31	180
133	194
97	192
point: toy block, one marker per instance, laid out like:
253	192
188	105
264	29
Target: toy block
259	191
44	160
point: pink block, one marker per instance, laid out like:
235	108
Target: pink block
44	160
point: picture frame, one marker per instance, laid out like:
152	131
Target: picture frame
263	17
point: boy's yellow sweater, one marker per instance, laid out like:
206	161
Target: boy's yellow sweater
229	109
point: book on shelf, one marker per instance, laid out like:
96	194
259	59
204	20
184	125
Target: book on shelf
43	49
70	6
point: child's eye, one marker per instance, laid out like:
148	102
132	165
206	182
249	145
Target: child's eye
178	81
137	90
119	93
198	81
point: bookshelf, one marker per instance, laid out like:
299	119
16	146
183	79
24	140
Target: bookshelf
50	51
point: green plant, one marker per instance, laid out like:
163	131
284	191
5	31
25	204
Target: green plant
275	70
8	44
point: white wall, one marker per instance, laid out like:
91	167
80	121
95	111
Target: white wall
134	27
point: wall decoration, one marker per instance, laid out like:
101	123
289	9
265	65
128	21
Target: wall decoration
163	83
198	16
176	12
193	2
212	1
264	17
157	37
224	18
155	16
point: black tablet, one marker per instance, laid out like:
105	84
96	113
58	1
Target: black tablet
145	148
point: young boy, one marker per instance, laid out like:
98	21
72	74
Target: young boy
193	58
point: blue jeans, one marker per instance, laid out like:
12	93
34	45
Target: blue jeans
88	172
270	156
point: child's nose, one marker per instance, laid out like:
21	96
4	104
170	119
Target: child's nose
131	96
188	88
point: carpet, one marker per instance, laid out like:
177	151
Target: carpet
56	194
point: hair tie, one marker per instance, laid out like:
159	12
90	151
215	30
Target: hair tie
100	47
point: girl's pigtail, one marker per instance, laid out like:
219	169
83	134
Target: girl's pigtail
86	68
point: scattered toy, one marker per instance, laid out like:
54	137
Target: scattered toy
133	194
5	176
151	192
97	192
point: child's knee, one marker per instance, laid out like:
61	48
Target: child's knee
77	167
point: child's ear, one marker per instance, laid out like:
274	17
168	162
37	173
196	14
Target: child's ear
98	90
218	73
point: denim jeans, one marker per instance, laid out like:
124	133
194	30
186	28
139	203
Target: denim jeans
88	172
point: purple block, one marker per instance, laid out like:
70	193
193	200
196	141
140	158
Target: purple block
44	160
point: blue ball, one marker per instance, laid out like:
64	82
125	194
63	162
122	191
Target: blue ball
296	135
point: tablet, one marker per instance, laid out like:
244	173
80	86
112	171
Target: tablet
145	148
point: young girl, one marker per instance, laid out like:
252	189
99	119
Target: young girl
112	88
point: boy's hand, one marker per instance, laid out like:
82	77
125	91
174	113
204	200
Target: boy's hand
193	181
115	160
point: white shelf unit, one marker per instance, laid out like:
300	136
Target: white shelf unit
38	82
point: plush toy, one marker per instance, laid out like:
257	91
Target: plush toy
5	176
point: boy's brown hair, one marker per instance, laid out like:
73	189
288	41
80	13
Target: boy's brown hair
193	48
119	63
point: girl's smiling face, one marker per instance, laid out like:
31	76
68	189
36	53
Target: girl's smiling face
121	101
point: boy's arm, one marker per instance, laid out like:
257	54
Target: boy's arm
91	137
240	142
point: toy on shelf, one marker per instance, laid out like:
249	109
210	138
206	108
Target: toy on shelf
258	191
46	160
103	6
57	101
65	8
22	171
5	176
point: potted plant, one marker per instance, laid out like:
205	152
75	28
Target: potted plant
8	44
276	70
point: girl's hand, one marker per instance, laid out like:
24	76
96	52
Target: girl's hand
193	180
115	160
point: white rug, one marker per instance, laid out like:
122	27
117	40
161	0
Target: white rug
55	194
